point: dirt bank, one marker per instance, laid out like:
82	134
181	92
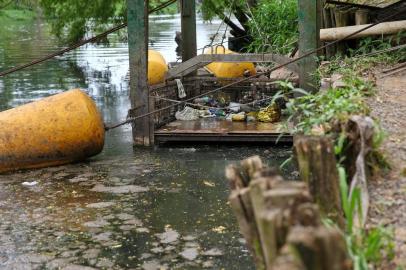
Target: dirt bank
388	192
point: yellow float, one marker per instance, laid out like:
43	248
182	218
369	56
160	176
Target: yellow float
228	70
157	67
60	129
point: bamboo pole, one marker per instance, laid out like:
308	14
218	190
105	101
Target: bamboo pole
386	28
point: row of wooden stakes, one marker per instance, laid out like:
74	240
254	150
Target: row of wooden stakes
282	220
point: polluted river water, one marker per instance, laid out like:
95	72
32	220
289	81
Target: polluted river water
127	208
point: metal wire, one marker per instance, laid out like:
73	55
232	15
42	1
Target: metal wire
132	119
80	43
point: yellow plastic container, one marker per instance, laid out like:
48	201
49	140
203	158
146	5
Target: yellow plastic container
60	129
228	70
157	67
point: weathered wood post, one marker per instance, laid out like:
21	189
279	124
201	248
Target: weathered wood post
188	25
317	166
137	14
309	39
281	223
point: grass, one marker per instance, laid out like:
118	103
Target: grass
367	248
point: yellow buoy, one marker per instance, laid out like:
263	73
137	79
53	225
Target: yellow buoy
228	70
60	129
157	67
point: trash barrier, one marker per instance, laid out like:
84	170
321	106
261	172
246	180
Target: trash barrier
56	130
228	70
157	67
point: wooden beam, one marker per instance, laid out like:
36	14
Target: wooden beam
202	60
137	14
188	25
309	31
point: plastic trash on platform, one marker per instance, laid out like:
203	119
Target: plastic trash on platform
187	114
270	114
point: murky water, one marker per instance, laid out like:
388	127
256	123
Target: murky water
126	208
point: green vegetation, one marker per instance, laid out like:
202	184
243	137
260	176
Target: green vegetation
17	14
325	113
17	10
70	20
271	25
274	26
366	247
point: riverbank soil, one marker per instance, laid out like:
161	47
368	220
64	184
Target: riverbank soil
388	192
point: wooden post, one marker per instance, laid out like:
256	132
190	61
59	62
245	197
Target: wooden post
188	24
342	18
328	23
317	166
361	16
309	32
138	53
281	223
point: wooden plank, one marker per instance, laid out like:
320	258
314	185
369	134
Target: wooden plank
309	31
137	12
204	59
188	26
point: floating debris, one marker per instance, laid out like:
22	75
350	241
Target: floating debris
100	205
119	189
169	236
30	184
190	253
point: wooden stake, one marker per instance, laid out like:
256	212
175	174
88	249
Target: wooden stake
361	16
317	167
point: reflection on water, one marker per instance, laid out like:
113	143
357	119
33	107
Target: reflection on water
117	210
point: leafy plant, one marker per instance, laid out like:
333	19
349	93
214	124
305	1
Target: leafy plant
274	26
365	246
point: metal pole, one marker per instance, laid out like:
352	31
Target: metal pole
137	15
309	39
188	25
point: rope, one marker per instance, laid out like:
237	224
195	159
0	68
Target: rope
79	44
132	119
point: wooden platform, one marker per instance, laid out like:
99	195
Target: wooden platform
216	130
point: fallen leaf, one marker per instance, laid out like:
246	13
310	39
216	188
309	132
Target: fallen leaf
209	184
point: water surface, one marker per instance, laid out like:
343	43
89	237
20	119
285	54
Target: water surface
126	208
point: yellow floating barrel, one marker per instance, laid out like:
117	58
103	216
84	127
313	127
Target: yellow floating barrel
60	129
228	70
157	67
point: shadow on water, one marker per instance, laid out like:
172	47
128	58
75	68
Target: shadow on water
128	207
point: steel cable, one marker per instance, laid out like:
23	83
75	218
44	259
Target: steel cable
132	119
79	44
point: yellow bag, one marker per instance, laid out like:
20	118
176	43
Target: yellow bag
270	114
